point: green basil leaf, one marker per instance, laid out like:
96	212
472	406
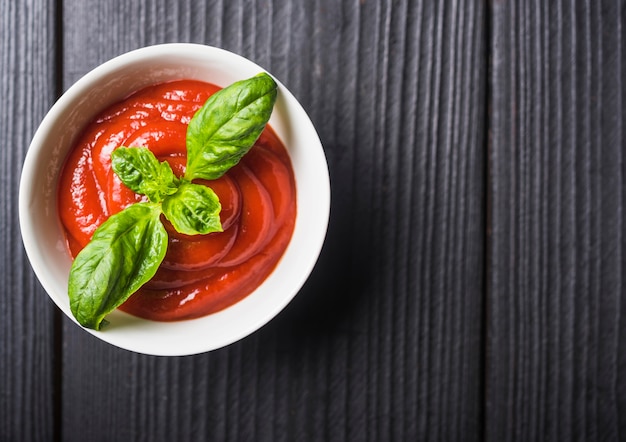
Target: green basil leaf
228	125
124	253
194	209
142	172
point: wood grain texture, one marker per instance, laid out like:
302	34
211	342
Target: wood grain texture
387	339
556	324
384	341
27	332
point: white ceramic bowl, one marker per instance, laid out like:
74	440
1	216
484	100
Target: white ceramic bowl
110	82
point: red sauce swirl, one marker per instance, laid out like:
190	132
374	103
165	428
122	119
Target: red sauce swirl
200	274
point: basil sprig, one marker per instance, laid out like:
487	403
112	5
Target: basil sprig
128	248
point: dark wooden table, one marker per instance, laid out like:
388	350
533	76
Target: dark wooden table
472	285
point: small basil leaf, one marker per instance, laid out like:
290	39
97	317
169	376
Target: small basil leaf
142	172
194	209
124	253
227	126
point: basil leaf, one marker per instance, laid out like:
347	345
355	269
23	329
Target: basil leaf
142	172
124	253
227	126
194	209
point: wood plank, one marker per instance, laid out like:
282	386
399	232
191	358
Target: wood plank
384	341
556	329
27	317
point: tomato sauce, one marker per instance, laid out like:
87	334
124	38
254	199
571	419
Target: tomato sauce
200	274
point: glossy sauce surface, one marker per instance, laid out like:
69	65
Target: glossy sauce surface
200	274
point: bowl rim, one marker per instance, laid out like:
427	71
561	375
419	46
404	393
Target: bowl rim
306	261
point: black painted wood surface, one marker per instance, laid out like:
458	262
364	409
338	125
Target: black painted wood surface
470	286
556	329
28	322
